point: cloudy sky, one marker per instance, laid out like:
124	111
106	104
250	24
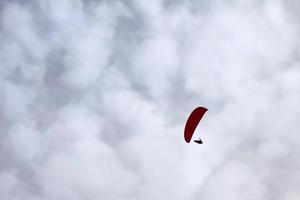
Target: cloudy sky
94	96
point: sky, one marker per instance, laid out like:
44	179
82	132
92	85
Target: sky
94	97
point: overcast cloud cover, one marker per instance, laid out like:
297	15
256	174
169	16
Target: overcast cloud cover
94	96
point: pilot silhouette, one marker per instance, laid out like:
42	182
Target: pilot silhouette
198	141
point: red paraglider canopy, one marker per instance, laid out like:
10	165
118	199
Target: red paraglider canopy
192	122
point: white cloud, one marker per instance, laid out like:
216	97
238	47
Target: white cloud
95	95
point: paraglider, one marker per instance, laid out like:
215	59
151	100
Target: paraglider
192	124
198	141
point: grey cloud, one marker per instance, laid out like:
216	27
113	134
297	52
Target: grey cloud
95	94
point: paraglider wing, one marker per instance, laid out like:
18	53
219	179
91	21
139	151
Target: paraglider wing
192	122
